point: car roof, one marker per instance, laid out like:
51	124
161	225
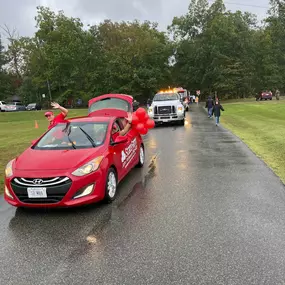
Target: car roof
92	119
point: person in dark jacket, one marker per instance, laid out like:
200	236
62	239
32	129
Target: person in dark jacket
149	101
209	106
136	105
217	111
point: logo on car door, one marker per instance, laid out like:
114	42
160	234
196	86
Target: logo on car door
128	154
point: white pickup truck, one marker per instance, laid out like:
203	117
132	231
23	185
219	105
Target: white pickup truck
2	106
166	107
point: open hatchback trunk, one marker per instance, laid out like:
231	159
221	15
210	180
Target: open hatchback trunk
115	105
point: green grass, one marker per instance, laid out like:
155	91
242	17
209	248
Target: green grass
17	130
261	125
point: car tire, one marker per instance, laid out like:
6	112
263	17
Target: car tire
270	98
141	157
111	185
182	123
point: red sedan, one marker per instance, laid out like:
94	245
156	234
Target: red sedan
77	162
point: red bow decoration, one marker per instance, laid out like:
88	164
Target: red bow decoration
141	121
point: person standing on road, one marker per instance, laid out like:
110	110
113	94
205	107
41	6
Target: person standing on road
209	106
217	111
148	102
54	120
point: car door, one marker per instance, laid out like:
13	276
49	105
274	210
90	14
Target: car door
132	147
118	153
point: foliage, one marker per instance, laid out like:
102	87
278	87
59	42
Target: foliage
213	50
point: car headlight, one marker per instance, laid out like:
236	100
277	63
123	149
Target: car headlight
150	109
180	109
89	167
9	168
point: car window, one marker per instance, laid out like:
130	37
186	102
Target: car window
110	103
123	122
116	128
74	135
166	97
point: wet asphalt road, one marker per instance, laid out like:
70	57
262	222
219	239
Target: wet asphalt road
204	210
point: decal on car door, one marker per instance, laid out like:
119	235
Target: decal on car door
129	153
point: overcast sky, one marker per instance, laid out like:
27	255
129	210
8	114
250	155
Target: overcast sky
20	14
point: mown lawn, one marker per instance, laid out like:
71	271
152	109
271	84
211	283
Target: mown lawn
261	125
17	130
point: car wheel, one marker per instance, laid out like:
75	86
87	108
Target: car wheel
141	157
111	186
270	98
182	123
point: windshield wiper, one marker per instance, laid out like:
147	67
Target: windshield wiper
69	139
88	137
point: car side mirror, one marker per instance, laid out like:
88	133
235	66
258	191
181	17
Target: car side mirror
120	139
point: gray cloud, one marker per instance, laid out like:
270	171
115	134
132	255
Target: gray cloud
20	13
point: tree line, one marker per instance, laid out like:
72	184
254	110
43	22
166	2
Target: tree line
209	49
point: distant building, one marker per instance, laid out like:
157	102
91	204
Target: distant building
14	98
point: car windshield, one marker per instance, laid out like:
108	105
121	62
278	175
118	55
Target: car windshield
74	135
110	103
166	97
32	105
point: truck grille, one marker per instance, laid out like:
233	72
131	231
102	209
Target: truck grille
57	187
165	110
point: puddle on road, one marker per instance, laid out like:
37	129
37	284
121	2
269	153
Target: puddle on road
142	184
113	213
229	141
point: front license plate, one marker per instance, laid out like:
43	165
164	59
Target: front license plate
37	192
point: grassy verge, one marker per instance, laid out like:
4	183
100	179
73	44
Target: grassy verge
261	125
17	130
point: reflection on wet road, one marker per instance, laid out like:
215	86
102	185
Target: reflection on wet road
203	210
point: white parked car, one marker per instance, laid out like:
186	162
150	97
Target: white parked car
2	106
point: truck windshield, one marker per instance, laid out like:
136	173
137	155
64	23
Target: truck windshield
166	97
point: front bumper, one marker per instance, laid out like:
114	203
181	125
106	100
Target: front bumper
167	118
60	196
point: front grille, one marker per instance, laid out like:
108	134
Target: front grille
163	110
41	182
57	187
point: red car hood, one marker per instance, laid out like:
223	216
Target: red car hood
55	159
